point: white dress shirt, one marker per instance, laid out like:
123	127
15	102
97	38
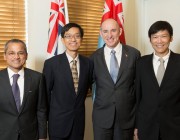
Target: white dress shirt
107	54
156	61
20	81
70	59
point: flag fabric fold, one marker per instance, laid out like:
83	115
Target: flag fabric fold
58	18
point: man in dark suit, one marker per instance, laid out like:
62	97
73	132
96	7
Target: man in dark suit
23	112
114	104
158	89
67	87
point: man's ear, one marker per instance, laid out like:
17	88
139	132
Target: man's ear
120	31
100	32
26	56
4	56
62	40
171	38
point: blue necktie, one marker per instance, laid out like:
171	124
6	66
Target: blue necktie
114	68
16	92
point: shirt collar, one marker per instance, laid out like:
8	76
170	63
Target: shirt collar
118	48
164	57
70	59
11	73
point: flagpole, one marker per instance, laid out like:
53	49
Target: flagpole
66	12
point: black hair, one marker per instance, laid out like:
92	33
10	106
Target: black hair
15	41
69	26
160	26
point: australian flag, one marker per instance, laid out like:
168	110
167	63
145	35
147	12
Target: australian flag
58	18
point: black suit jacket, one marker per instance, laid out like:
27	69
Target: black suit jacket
159	107
120	96
30	122
65	107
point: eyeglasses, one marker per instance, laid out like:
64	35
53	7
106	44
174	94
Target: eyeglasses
76	36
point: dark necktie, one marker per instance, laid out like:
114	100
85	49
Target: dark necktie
114	68
16	92
75	75
160	71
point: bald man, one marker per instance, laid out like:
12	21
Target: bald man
114	75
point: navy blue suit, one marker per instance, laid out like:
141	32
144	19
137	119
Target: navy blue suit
158	107
66	109
31	122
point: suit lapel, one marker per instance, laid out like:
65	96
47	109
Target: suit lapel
27	87
170	68
64	64
150	70
8	88
104	65
81	72
124	61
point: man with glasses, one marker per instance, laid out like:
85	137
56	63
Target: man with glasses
68	77
23	102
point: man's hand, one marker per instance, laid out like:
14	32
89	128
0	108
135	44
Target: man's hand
136	134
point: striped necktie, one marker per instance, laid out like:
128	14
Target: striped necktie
75	75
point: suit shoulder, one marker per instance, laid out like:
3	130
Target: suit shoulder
52	62
98	51
176	54
85	59
54	58
3	71
32	72
145	58
131	49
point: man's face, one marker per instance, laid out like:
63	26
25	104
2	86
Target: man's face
15	56
110	32
160	42
72	39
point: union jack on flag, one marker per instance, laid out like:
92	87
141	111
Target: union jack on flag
58	18
113	9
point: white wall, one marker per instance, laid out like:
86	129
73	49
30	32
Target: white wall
38	18
154	10
138	14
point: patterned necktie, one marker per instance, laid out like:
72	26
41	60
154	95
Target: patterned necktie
160	71
75	75
16	92
114	68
